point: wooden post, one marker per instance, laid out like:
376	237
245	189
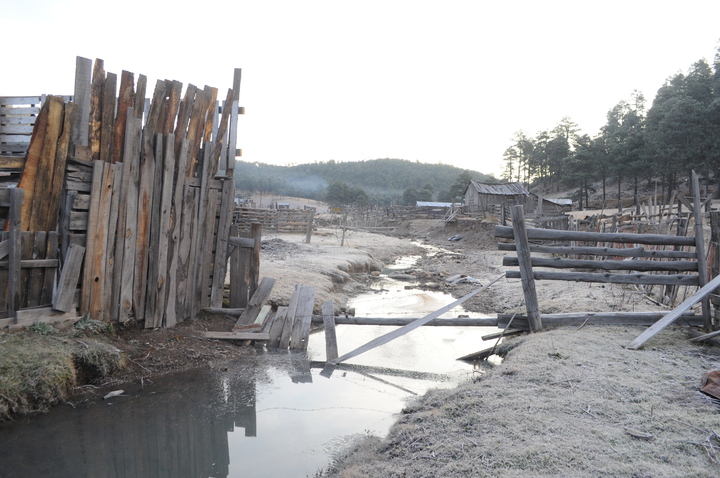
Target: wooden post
526	272
14	218
715	247
700	251
309	227
328	313
254	269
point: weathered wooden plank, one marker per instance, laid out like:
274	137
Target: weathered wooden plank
112	306
4	248
91	245
526	272
328	315
96	96
256	302
50	273
161	258
626	265
606	251
107	128
15	224
290	318
277	327
183	116
576	319
227	205
98	258
27	317
210	116
174	235
246	242
139	100
700	249
303	317
16	129
26	121
674	314
173	104
194	132
408	328
20	100
11	162
188	237
206	257
26	245
32	263
607	278
557	235
125	99
9	112
400	321
254	265
237	335
238	272
62	300
37	275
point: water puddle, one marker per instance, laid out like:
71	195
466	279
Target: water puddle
273	414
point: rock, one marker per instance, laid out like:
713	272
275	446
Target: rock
406	277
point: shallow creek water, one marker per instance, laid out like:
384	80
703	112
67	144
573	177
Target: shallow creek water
273	414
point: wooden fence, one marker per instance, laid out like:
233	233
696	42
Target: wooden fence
144	186
645	262
281	221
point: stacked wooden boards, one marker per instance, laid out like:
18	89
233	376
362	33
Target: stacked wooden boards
157	209
283	221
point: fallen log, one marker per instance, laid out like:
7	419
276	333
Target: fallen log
596	318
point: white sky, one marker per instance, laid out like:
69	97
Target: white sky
435	81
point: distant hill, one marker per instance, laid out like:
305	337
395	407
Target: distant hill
381	179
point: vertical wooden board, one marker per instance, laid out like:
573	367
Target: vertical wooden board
65	213
184	112
199	237
96	97
139	100
4	276
173	104
254	268
221	134
81	97
110	254
90	240
125	246
145	276
303	317
126	97
174	238
238	274
206	256
256	302
194	131
54	194
98	259
229	161
145	192
328	313
50	272
186	233
36	275
107	128
290	318
161	258
211	113
277	327
227	204
526	272
63	298
156	106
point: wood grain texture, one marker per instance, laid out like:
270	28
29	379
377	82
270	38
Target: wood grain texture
125	100
107	128
303	318
69	276
328	314
256	302
81	97
96	96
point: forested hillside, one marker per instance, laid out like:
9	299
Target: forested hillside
378	181
678	133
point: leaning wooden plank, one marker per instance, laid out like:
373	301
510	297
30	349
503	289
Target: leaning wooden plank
400	321
410	327
277	327
610	265
27	317
237	335
107	128
290	318
206	258
607	278
328	313
91	245
227	204
160	262
675	314
98	259
110	304
36	275
700	249
54	194
303	317
702	338
551	234
4	247
188	239
14	221
526	271
96	96
184	111
81	97
256	302
69	276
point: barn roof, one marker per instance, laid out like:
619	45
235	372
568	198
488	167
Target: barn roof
510	189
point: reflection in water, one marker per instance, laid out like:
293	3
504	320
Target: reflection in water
274	414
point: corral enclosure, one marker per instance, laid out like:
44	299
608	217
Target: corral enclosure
139	191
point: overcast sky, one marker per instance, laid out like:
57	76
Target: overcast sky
433	81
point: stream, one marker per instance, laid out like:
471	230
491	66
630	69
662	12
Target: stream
273	414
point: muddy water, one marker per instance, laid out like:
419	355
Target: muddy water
270	415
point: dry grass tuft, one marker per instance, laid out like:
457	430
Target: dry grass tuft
565	410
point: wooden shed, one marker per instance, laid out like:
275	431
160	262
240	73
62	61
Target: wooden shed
483	196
